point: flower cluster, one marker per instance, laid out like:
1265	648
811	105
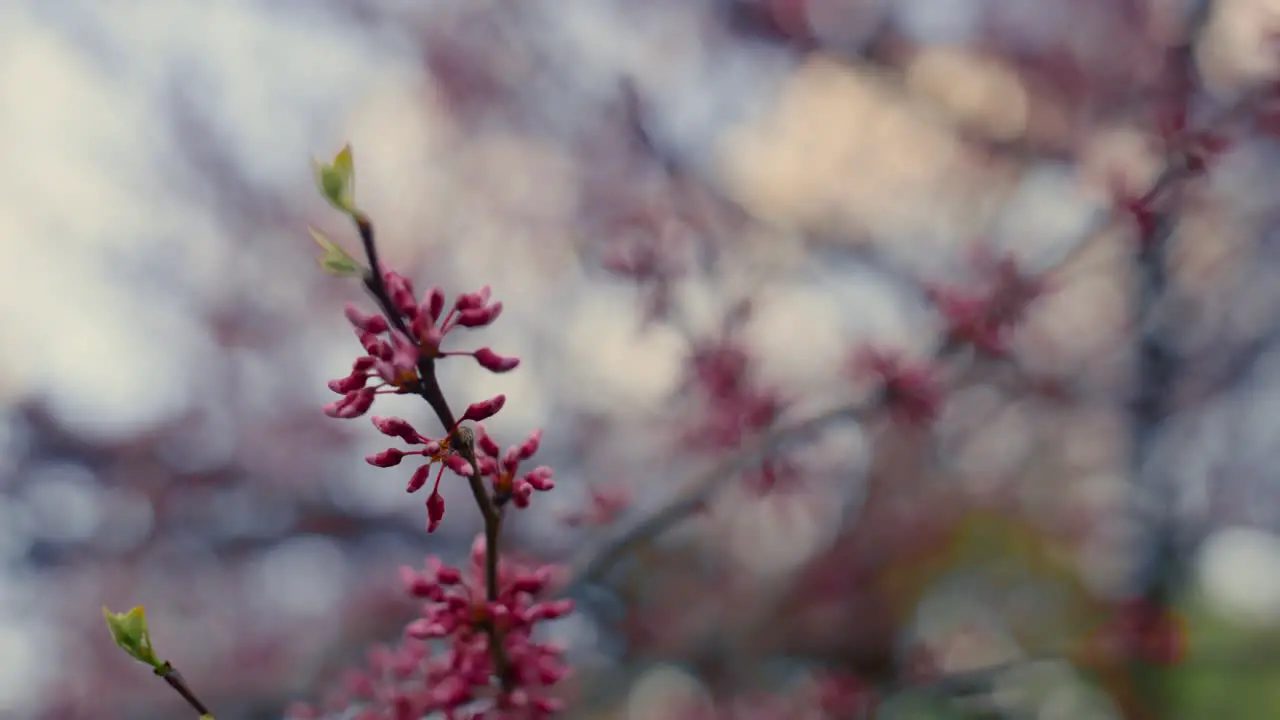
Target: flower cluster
911	391
985	315
397	352
736	407
461	609
446	662
721	374
503	468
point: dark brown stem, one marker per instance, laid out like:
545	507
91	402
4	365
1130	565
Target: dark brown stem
175	680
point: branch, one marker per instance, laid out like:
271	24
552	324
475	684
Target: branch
175	680
462	439
592	568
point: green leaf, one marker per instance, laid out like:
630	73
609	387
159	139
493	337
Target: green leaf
333	259
130	633
337	180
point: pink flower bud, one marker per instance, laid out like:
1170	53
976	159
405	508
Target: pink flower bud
353	404
521	497
435	511
451	691
531	584
530	445
400	288
479	317
540	479
375	324
424	629
350	383
494	362
387	372
487	445
552	610
431	338
420	325
404	352
478	547
387	458
434	304
459	465
471	301
397	427
419	478
484	409
374	346
497	611
414	583
511	459
449	576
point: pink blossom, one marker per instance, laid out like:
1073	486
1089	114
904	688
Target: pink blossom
911	391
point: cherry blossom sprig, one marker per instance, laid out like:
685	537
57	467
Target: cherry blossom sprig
488	619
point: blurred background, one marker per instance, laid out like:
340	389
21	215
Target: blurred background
644	185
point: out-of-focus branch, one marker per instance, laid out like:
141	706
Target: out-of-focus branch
593	567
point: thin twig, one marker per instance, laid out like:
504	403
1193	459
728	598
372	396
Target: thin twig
592	568
176	681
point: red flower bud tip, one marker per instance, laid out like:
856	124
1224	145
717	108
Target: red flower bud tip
459	465
449	576
435	510
494	362
418	479
374	324
387	458
485	409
